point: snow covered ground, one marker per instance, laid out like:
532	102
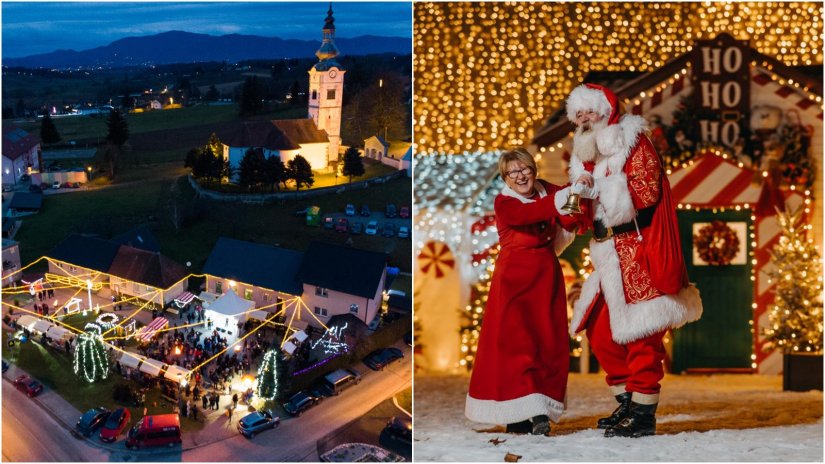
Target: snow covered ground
700	418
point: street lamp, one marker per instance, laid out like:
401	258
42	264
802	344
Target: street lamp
89	168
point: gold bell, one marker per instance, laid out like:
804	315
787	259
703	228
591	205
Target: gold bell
573	204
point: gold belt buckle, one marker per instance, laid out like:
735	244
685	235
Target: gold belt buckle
606	237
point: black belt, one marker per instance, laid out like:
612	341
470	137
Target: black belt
643	219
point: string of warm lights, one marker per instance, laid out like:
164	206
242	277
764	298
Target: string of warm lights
90	360
267	378
488	73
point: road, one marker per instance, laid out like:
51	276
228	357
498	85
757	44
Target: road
295	439
31	434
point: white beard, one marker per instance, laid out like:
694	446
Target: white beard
584	142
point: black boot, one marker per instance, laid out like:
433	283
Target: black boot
541	425
641	422
619	414
523	427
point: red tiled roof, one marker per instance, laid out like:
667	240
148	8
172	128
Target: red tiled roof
284	134
301	130
146	267
17	142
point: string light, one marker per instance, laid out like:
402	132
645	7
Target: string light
267	378
90	360
489	72
331	340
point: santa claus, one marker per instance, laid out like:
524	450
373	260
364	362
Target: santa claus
639	288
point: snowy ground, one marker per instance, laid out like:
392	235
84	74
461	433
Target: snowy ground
701	418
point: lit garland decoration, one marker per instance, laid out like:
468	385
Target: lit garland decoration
331	340
488	72
93	328
267	378
474	313
796	316
90	360
716	243
107	320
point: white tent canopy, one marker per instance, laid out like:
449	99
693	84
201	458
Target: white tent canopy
151	366
173	371
26	321
259	315
230	304
58	333
131	360
41	326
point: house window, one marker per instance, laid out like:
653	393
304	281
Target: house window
353	308
267	298
72	269
314	94
247	294
320	311
331	94
149	289
219	288
321	291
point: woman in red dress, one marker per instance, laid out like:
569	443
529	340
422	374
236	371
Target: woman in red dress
520	372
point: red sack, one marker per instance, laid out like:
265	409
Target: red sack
663	247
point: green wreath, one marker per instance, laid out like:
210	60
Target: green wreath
716	243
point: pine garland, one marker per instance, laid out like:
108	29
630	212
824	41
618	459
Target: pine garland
473	313
795	318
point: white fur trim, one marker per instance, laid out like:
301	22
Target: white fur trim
560	198
618	389
508	192
585	98
615	203
576	169
511	411
562	239
630	322
619	138
644	398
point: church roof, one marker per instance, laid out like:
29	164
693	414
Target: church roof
326	65
300	131
279	134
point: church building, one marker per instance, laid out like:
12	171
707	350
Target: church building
317	137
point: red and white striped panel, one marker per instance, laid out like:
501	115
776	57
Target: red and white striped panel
768	84
713	181
680	86
150	330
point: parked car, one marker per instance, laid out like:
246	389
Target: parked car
329	222
341	225
356	228
28	385
56	185
379	359
91	420
350	210
388	230
34	188
365	211
115	424
25	177
397	430
256	422
5	366
403	232
390	212
163	429
300	402
404	212
337	381
372	228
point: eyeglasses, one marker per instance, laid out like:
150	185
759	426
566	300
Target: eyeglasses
514	174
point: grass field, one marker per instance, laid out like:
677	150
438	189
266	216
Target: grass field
54	370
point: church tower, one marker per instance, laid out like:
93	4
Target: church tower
326	88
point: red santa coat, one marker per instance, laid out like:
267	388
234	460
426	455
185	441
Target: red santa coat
644	282
522	358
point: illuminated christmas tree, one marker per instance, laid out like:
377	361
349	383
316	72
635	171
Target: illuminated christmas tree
268	376
90	360
796	315
473	314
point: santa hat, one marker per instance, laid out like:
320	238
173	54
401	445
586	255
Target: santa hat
596	98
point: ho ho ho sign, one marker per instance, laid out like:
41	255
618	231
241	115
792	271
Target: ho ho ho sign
721	82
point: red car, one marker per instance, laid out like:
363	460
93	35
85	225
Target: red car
341	225
404	212
114	426
28	385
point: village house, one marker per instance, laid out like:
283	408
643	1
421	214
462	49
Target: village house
21	154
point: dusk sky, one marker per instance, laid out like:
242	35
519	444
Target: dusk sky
33	27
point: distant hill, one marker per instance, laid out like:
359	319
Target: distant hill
187	47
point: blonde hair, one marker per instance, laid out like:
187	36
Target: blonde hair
516	154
